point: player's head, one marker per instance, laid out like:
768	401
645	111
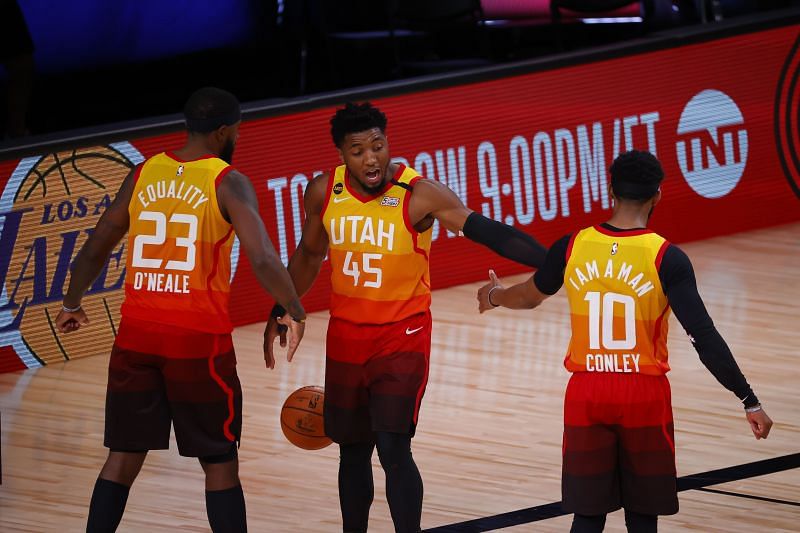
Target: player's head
359	132
636	177
215	115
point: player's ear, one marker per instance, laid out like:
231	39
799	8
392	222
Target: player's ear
657	197
219	134
611	195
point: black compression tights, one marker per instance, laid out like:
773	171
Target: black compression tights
635	523
403	483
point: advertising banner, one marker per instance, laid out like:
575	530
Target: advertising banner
529	150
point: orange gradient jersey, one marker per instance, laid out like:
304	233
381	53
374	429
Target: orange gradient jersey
379	262
618	308
179	245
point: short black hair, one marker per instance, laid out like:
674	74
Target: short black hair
353	118
636	175
209	108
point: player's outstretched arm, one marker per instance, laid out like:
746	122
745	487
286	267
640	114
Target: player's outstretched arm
306	261
111	227
523	295
529	294
431	198
680	286
239	204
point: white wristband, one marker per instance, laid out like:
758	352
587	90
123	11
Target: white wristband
489	296
756	408
71	310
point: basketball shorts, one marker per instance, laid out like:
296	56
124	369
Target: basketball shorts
618	448
375	376
161	375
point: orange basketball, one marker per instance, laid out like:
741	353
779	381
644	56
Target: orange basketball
301	418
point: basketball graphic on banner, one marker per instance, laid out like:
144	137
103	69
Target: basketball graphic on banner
51	204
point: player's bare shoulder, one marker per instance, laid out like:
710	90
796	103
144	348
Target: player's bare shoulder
316	190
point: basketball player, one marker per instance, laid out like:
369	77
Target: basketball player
622	280
373	218
173	359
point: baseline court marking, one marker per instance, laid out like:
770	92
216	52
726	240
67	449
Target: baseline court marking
692	482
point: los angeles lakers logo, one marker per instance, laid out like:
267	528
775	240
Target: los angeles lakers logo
49	207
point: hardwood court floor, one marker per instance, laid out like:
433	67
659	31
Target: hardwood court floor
489	439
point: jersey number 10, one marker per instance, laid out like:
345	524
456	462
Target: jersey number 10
602	323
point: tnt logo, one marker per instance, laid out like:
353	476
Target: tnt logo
712	144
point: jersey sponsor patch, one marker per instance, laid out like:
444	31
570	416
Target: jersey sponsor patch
390	201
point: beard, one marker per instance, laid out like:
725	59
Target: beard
375	189
227	151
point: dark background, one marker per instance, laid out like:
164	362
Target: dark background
99	62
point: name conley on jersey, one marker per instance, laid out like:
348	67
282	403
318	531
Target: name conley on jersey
358	229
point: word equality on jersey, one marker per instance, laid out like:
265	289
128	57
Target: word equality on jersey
159	190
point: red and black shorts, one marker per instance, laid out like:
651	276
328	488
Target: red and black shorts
161	375
375	376
619	447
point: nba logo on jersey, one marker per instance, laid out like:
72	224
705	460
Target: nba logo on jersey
712	145
390	201
614	248
180	170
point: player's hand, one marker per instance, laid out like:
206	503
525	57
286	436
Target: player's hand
67	322
272	330
483	293
295	330
760	423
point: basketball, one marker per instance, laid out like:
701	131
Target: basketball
301	418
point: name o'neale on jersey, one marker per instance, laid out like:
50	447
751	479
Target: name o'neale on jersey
161	282
363	230
611	362
612	270
175	189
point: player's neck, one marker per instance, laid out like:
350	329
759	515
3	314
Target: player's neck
629	217
193	150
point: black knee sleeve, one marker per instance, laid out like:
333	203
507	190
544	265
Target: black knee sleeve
641	523
394	449
356	489
588	524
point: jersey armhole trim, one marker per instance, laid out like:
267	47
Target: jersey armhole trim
224	172
660	255
328	189
137	172
408	189
569	247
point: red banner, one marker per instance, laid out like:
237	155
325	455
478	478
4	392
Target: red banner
531	150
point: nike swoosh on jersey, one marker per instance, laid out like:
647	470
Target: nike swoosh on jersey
337	200
410	331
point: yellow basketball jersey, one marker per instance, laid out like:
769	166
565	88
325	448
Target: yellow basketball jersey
379	261
179	245
618	308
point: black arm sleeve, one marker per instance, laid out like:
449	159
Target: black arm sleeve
550	277
677	278
504	240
